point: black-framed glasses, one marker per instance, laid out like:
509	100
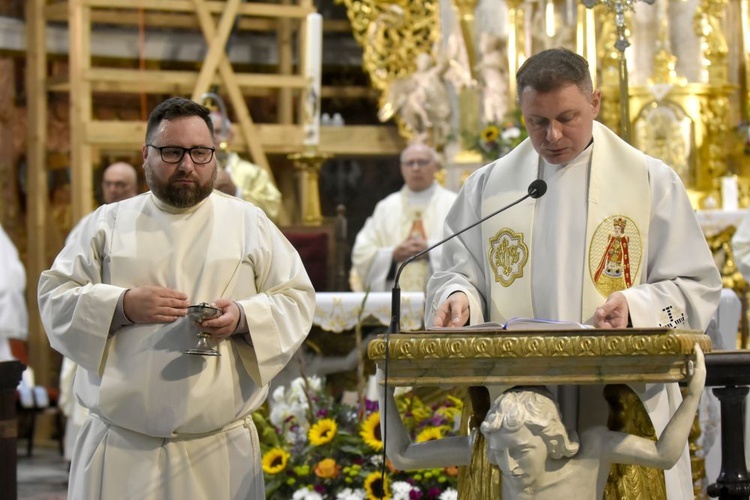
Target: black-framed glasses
174	154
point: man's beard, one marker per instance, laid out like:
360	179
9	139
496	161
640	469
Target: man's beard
179	196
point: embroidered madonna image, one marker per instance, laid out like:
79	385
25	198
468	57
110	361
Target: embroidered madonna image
615	254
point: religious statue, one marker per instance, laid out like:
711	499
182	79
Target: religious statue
492	77
422	102
538	457
560	34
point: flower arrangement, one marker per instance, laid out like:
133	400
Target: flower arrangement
315	448
498	138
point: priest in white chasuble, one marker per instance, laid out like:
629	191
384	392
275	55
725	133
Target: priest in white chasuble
165	424
613	243
403	224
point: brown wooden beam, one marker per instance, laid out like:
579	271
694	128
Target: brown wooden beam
136	81
37	205
213	7
247	127
351	140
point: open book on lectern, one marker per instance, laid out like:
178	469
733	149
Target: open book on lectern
526	324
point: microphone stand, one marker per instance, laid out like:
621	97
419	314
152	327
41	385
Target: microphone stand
536	189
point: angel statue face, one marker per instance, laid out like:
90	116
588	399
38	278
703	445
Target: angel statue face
523	431
520	454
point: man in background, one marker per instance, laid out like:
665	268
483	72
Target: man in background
119	182
403	224
251	182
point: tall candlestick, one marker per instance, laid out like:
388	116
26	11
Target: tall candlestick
313	58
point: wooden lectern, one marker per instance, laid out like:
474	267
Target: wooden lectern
475	357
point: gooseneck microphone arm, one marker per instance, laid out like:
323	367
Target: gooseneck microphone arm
536	190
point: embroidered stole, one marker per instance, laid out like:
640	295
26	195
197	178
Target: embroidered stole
616	230
414	276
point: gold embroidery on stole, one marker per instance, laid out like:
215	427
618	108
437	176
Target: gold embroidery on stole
615	254
508	255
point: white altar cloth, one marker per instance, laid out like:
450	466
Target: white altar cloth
339	311
713	222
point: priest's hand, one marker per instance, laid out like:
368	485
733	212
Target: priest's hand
613	313
454	312
225	324
408	248
154	304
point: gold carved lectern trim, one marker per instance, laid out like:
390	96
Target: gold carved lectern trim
455	357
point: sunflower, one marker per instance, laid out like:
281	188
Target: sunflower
275	461
370	432
429	434
490	133
322	432
377	487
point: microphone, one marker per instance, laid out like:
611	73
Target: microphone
536	190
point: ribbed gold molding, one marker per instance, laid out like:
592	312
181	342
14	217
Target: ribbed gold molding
570	356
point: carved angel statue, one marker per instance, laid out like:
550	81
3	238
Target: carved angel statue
564	34
492	74
422	102
538	457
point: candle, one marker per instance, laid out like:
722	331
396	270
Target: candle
729	193
313	57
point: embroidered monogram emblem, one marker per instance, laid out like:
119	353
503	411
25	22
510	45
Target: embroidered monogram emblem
615	254
508	255
672	317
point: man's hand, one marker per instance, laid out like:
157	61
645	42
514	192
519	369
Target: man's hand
224	325
613	313
408	248
454	312
154	304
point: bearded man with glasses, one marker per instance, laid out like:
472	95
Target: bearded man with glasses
404	223
164	424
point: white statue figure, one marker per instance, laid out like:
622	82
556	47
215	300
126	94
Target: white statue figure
540	459
458	74
422	101
492	75
564	33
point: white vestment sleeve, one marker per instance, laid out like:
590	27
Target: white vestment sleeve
681	277
279	317
76	307
462	261
14	315
372	256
